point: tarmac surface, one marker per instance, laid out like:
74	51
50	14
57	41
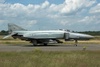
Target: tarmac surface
50	47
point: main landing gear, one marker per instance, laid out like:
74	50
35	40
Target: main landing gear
35	43
45	44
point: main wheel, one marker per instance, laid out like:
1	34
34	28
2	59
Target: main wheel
45	44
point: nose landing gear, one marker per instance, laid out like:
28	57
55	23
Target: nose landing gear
76	42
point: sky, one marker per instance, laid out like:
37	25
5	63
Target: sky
76	15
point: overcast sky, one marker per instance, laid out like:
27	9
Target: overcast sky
78	15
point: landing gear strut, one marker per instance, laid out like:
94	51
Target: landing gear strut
34	42
76	42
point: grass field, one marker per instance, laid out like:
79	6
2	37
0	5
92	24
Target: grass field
39	58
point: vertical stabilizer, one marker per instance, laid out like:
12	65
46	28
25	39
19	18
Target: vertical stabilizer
12	27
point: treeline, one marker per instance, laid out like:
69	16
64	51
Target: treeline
3	32
94	33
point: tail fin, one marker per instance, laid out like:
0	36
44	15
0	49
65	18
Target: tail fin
12	27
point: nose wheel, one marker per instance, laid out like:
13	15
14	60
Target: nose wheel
76	42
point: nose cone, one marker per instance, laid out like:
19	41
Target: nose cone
87	36
81	36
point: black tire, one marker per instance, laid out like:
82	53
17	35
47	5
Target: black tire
45	44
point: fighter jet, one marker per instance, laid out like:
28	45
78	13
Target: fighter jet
44	36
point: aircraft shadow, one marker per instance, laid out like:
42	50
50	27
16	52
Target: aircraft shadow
49	45
38	45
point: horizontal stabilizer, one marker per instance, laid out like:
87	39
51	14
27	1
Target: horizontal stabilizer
8	36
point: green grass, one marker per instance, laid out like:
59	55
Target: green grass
39	58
